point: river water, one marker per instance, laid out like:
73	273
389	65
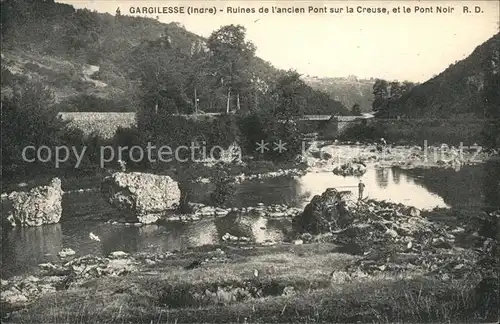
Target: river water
24	248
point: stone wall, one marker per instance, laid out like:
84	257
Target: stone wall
104	124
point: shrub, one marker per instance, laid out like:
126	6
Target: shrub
286	133
128	138
362	132
247	130
224	131
224	188
251	127
261	126
28	119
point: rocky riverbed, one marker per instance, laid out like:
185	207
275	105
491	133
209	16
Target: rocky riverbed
396	261
354	245
326	156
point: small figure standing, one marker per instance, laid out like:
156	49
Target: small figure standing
361	189
381	145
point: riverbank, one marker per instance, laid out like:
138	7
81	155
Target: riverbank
196	172
268	284
326	156
321	157
391	263
399	266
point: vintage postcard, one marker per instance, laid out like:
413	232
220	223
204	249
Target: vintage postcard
258	161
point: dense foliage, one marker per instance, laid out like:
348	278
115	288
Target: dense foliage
29	119
386	94
491	99
459	91
78	60
142	62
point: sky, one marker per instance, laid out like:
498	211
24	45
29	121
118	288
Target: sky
395	46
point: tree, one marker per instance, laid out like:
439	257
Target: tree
290	96
380	94
407	86
356	110
163	75
198	72
28	119
231	54
491	99
396	90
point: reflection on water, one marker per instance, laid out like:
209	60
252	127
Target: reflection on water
379	185
83	213
24	249
396	175
269	191
382	177
472	187
253	226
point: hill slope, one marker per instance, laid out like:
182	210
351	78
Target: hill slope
90	60
348	91
458	91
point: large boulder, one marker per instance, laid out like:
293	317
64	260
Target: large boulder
143	196
323	214
40	205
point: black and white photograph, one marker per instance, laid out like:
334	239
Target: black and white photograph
258	161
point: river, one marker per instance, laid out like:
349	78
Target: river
85	212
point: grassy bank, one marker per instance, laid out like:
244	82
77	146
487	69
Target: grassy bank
415	132
389	264
294	283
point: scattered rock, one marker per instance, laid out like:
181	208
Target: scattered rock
118	255
118	267
268	242
414	212
350	169
288	291
149	262
66	252
19	292
391	233
14	299
50	269
340	277
228	237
